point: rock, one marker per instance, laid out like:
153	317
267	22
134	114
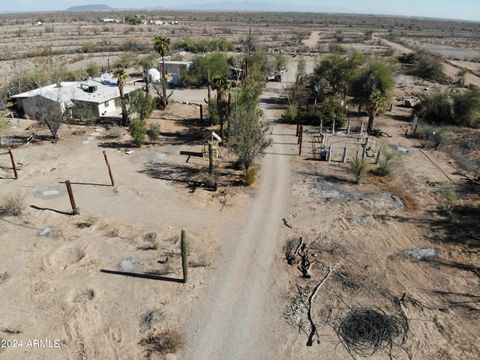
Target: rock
151	236
421	253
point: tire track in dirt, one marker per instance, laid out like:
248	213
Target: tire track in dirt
234	322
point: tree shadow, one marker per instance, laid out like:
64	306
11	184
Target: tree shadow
149	276
170	172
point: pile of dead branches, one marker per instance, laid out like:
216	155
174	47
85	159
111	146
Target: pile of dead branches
364	331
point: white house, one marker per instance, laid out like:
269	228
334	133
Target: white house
90	99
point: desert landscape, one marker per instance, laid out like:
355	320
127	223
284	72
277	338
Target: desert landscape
295	186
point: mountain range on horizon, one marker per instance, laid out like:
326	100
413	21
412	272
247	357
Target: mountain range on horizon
218	6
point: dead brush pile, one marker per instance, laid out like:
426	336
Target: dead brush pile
163	343
365	331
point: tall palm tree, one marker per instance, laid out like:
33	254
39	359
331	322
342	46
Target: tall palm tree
163	47
121	76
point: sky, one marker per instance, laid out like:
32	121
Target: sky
452	9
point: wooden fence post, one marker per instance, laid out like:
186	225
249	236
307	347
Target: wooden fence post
109	169
300	140
345	154
75	210
377	160
210	159
184	250
14	167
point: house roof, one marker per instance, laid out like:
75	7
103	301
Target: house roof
68	92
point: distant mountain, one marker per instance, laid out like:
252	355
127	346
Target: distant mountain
259	7
93	7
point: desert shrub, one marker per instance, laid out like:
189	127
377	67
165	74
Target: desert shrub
327	114
206	68
12	205
449	194
138	132
336	48
466	108
89	47
436	108
93	69
209	180
153	132
360	168
424	65
114	132
433	136
249	175
125	60
407	58
141	104
213	111
3	125
389	162
291	115
203	45
163	343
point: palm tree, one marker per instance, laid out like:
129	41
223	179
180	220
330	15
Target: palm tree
372	87
375	103
121	76
163	47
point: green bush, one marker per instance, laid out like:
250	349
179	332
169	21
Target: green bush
213	111
154	132
249	175
203	45
360	168
207	179
389	162
425	65
93	69
466	108
89	47
436	108
138	132
114	132
433	136
291	115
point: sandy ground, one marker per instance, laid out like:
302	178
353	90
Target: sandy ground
450	70
234	305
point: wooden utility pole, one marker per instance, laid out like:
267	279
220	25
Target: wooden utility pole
109	169
184	251
75	210
300	140
14	167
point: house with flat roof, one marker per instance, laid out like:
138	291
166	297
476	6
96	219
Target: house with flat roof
92	99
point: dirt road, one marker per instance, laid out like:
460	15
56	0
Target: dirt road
235	321
312	41
450	70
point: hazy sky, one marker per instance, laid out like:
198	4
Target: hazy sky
453	9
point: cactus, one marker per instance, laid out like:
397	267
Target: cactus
184	249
